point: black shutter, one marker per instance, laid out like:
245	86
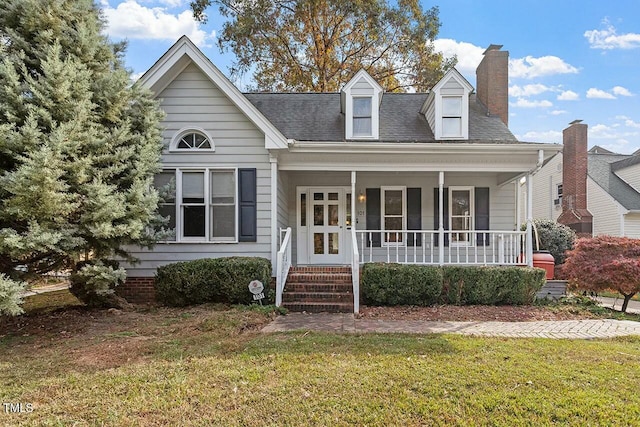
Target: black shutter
482	215
445	214
414	214
247	200
373	215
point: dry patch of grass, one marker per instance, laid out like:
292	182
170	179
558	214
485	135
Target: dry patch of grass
210	365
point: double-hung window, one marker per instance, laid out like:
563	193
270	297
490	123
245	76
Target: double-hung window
451	116
461	214
394	214
362	116
203	205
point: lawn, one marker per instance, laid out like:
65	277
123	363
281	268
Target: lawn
210	365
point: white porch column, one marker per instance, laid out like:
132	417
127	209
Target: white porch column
441	218
275	234
353	199
529	220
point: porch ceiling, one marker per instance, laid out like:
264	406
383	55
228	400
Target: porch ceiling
460	157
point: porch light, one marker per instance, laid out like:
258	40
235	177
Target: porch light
361	197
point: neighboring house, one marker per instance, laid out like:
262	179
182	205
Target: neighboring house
320	179
596	191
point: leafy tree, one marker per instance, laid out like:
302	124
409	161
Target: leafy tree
318	45
605	262
553	237
78	144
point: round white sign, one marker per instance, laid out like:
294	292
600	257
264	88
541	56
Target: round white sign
256	287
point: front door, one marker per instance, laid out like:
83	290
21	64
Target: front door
327	215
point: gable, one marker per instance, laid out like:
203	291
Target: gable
184	53
192	101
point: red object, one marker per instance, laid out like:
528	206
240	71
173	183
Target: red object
544	260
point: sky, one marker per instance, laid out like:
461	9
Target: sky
568	59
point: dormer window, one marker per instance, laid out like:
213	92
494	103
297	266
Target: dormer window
362	119
452	116
447	107
360	101
191	139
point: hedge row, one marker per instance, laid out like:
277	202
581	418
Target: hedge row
398	284
224	280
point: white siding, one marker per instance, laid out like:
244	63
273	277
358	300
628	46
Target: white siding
283	200
192	100
545	190
631	175
632	225
605	210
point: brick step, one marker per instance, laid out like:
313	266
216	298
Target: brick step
317	287
319	277
320	269
319	307
326	297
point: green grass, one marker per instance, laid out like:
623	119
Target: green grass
50	301
613	294
210	365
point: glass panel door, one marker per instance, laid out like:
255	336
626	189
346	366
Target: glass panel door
325	238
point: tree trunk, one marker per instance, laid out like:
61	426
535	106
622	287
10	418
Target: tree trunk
625	303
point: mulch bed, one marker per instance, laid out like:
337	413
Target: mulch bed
470	313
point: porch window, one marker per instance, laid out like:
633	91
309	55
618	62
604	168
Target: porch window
394	214
362	116
461	214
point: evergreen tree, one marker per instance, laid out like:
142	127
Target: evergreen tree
79	145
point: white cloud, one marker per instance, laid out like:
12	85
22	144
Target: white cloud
552	136
530	67
525	103
608	38
469	55
568	95
528	90
599	94
621	91
558	112
630	123
132	21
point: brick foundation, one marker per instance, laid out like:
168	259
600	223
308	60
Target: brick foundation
137	290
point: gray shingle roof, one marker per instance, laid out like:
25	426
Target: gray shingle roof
317	117
601	171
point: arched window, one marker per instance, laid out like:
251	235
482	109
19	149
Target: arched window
192	139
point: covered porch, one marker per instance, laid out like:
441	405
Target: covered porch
428	209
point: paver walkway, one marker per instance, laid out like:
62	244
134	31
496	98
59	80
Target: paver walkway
572	329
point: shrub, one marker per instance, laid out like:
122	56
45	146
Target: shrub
398	284
10	296
94	283
605	262
222	280
491	285
553	237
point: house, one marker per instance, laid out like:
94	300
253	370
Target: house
337	179
594	192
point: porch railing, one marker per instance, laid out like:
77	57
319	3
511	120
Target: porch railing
355	271
283	264
480	247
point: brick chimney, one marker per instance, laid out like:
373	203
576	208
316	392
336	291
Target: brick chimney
492	81
574	179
